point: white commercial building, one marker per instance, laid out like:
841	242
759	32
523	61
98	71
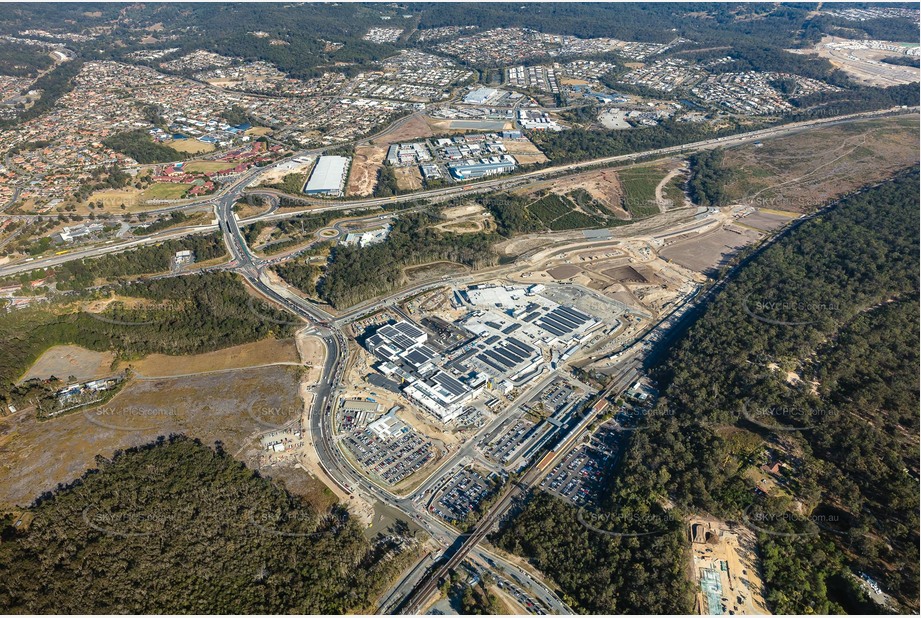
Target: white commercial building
480	96
328	177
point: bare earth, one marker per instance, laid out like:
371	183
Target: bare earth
408	178
231	407
63	361
414	128
799	172
365	165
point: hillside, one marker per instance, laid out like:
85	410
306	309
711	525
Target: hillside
176	527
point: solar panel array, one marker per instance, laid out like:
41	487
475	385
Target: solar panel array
449	384
409	330
396	336
506	355
419	356
563	321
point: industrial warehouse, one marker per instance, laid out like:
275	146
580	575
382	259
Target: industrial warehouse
328	177
508	334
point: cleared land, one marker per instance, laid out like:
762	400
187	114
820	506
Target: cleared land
414	128
716	545
265	352
799	172
36	456
705	252
63	361
864	64
365	164
408	178
524	151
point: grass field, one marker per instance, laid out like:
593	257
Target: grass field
230	407
133	199
164	191
191	146
259	131
207	167
236	357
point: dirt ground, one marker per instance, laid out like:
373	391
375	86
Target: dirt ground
365	164
798	172
466	219
408	178
265	352
63	361
276	175
312	352
705	252
734	546
524	151
415	128
230	407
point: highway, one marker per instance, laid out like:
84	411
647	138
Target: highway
417	599
236	189
410	595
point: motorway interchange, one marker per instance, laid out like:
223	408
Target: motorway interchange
411	592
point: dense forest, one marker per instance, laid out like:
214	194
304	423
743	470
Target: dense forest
602	573
807	359
354	274
582	144
708	178
139	146
176	527
179	315
19	61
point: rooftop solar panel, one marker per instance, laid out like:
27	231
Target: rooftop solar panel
522	349
550	328
409	330
511	328
493	339
575	314
510	358
450	384
567	327
489	362
502	362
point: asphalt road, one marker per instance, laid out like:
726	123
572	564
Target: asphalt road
236	189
